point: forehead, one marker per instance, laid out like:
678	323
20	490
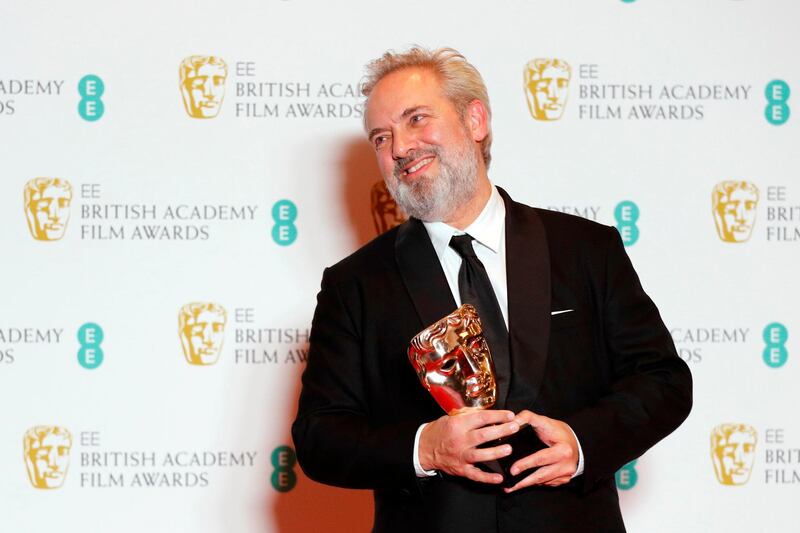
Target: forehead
207	69
206	316
401	90
741	193
454	338
52	439
551	72
740	436
53	191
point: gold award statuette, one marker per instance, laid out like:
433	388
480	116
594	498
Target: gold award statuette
454	364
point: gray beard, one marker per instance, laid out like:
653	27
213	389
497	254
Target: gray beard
436	198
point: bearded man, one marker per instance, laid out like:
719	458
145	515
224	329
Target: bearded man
581	352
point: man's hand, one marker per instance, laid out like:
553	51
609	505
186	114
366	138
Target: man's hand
449	444
556	463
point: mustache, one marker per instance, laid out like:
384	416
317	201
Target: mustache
416	154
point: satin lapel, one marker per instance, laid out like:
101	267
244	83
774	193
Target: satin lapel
528	270
422	273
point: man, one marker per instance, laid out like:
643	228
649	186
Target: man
590	364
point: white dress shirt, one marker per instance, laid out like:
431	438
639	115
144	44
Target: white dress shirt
489	232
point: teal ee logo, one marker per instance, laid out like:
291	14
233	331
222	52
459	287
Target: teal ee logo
91	89
626	214
90	336
626	477
775	353
284	213
283	477
777	111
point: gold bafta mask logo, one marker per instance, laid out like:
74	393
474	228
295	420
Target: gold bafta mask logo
47	202
46	450
734	206
453	362
201	327
547	87
385	212
733	452
203	85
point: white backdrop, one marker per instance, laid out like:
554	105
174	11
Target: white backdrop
158	444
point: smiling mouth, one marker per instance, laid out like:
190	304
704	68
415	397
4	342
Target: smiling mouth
417	166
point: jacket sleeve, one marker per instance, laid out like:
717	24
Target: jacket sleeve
650	392
339	440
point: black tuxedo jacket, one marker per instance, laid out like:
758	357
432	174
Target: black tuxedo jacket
608	368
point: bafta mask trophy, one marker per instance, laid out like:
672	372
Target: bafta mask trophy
453	362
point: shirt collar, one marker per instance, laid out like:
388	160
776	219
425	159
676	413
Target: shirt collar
487	229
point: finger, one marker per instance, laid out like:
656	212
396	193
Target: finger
540	458
541	476
531	418
476	474
558	481
527	481
480	455
550	473
490	433
486	417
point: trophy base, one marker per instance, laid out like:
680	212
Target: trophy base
523	443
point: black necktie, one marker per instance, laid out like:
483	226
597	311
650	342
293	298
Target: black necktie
476	289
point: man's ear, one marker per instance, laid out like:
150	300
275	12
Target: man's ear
477	119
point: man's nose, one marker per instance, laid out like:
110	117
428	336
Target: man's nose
403	143
207	340
52	210
470	362
551	91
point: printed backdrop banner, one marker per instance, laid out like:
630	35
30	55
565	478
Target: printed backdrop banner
174	177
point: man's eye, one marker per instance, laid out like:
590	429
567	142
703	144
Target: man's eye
379	140
417	118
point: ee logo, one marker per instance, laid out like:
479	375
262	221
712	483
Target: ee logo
775	353
91	89
626	477
777	111
283	477
284	213
627	214
90	336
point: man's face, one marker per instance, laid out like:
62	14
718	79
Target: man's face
50	213
458	369
48	461
734	458
547	92
426	153
204	89
205	334
736	214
